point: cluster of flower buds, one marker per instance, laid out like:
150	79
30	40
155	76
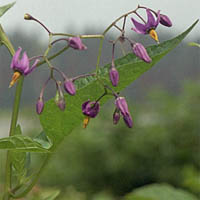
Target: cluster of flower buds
153	20
90	109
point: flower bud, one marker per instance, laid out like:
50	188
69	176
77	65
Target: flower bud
140	51
39	106
28	17
76	43
116	116
122	106
60	99
69	87
164	20
114	76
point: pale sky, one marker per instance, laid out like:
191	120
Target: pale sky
59	14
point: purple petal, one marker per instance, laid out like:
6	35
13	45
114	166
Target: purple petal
15	59
29	70
85	104
151	20
158	19
24	63
139	28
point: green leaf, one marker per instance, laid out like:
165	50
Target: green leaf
18	160
159	192
194	44
22	143
53	196
4	9
58	124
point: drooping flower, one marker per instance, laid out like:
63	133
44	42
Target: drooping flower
76	43
140	51
69	87
164	20
121	104
114	76
90	109
39	106
149	27
21	66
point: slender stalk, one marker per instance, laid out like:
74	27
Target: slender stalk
99	55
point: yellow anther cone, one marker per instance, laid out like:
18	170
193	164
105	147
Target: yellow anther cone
15	78
86	121
154	35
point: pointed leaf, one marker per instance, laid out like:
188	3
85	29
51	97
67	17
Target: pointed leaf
22	143
57	124
4	9
159	192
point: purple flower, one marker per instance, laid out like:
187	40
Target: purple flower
76	43
69	87
149	27
164	20
121	104
39	106
116	116
21	66
114	76
90	108
140	51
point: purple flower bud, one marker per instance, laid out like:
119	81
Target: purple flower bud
61	104
164	20
121	104
114	76
140	51
90	108
39	106
116	116
76	43
69	87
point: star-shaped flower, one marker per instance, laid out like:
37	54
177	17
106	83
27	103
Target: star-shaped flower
149	27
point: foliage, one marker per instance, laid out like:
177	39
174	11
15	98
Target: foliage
162	147
159	192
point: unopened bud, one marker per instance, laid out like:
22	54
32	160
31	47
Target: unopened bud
114	76
76	43
28	17
116	116
39	106
69	87
60	99
164	20
140	51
